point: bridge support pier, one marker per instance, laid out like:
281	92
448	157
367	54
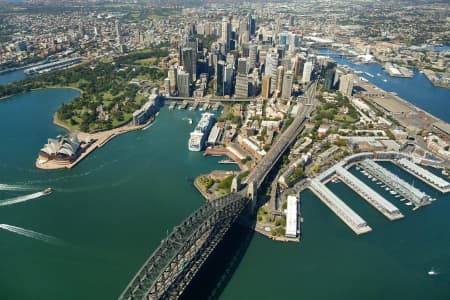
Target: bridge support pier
235	184
252	194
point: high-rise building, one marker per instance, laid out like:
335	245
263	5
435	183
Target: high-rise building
187	60
220	70
167	87
287	85
172	75
346	85
251	25
226	33
307	72
242	66
280	75
328	74
183	83
228	79
253	52
265	89
284	38
270	69
241	89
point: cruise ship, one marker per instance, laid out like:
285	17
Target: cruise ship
199	135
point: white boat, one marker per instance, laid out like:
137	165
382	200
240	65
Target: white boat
393	192
408	203
384	80
368	74
432	272
387	189
47	191
379	182
190	120
378	74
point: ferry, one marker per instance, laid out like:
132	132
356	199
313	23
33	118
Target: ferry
47	191
200	133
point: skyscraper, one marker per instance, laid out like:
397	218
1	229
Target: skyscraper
226	33
187	60
242	66
307	72
328	74
280	75
346	85
172	75
241	90
270	69
220	70
253	52
265	89
183	83
287	85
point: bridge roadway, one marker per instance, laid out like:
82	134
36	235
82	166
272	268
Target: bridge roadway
264	166
172	266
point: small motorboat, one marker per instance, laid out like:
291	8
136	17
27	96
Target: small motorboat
47	191
432	272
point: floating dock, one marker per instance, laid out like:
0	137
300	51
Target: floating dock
345	213
407	191
373	198
423	174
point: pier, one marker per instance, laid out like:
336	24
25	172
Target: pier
423	174
345	213
398	185
373	198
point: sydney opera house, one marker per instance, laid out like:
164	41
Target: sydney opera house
64	149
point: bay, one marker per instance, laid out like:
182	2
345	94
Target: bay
417	90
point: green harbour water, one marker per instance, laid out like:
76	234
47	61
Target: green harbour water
112	210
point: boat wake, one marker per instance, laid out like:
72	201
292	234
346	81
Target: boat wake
12	187
21	199
32	234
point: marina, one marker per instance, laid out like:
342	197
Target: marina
395	183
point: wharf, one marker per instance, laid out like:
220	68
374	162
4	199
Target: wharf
345	213
424	175
396	184
373	198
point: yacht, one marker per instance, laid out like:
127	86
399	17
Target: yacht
408	203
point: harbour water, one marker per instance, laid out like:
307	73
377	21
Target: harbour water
88	238
108	213
417	90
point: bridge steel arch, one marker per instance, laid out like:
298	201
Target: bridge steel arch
171	267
